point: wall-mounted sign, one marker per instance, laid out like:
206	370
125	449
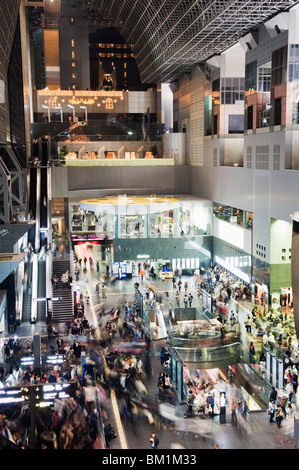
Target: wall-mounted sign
81	101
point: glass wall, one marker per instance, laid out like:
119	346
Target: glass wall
189	219
132	226
161	224
233	215
87	221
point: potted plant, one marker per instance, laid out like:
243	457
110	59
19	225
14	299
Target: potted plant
154	151
63	151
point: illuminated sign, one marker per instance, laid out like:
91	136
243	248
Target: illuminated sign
60	390
13	395
85	94
81	101
57	359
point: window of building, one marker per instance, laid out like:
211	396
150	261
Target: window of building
276	157
236	123
74	75
73	42
215	124
279	62
73	64
294	63
251	76
249	158
264	78
232	90
216	85
215	157
109	103
250	117
208	115
277	111
73	55
262	157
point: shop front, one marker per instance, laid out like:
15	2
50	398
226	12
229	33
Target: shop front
261	294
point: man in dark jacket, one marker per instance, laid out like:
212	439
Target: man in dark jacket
273	394
210	404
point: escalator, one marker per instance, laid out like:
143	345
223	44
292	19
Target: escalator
32	202
41	291
27	293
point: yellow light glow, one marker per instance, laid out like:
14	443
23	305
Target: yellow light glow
124	200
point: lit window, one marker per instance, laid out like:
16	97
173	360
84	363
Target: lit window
73	42
73	55
72	20
73	64
74	75
125	65
109	103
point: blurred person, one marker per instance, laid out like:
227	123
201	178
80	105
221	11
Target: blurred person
154	441
4	430
210	403
278	415
271	411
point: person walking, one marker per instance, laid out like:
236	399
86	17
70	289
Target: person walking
210	404
273	394
154	441
103	292
252	353
177	298
278	415
186	301
271	411
98	289
282	403
190	298
234	407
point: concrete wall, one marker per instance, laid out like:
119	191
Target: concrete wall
98	181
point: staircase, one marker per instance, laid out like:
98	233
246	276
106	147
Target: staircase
27	294
41	291
62	309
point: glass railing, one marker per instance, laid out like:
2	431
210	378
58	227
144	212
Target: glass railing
209	354
130	137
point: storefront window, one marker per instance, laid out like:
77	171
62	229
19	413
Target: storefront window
222	212
161	224
248	220
132	226
185	221
237	217
234	215
86	221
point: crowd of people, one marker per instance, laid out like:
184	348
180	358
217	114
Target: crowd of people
281	405
119	359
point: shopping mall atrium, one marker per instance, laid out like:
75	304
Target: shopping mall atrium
149	211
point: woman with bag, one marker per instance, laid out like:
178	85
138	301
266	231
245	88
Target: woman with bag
279	415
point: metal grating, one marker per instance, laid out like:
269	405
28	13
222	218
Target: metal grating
170	36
